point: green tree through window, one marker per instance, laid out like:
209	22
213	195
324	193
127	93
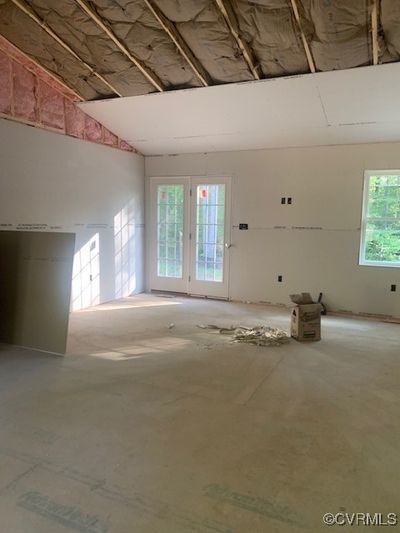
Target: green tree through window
380	243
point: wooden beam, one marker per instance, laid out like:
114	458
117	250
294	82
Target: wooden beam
374	29
23	6
149	75
182	47
229	17
306	46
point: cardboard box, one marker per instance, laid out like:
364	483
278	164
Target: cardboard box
305	318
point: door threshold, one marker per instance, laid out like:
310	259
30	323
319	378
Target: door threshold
167	294
205	297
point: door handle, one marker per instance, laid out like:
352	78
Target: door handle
228	245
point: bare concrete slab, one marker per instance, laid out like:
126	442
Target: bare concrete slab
144	428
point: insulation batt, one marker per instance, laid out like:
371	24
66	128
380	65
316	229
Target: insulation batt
84	36
204	30
338	32
51	106
24	93
24	33
5	83
30	94
93	130
390	17
74	120
341	33
110	139
139	30
270	30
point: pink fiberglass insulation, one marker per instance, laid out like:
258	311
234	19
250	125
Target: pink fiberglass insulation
5	84
125	146
24	88
51	106
30	94
14	53
93	130
74	120
110	139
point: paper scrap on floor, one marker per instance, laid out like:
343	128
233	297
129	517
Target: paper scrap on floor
258	335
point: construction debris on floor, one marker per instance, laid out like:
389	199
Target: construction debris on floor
259	335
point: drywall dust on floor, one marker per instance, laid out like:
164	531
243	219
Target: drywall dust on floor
146	428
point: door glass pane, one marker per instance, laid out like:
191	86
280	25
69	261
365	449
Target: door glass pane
210	228
170	230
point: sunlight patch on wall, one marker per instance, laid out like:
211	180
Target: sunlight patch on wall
86	275
125	251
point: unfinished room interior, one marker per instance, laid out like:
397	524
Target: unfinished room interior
199	266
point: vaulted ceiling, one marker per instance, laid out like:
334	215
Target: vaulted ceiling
110	48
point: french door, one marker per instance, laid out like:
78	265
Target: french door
190	235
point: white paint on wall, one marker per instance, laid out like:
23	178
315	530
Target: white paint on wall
313	243
58	183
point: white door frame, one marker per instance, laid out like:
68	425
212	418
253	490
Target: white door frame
165	283
217	289
188	283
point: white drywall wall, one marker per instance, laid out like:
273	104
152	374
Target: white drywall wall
52	182
326	185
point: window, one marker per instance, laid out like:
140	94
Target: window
380	230
170	230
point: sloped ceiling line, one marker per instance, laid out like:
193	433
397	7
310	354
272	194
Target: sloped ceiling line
32	15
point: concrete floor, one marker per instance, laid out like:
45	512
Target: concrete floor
143	429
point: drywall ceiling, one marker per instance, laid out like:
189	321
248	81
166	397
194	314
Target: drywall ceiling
342	107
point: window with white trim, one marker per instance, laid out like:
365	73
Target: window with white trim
380	229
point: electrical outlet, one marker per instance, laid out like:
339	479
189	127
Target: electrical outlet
283	200
280	279
393	288
289	200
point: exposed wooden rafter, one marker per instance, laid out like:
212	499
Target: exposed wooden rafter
182	47
23	6
149	75
374	30
230	19
306	46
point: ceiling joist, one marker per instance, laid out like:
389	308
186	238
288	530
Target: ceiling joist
306	46
182	47
149	75
374	29
23	6
229	17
